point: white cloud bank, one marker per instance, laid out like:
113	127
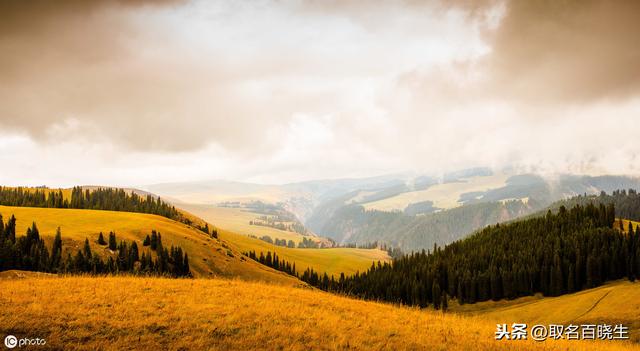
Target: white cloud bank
283	91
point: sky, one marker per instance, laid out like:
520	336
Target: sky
139	92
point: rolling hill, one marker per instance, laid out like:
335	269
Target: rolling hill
613	303
237	220
208	256
333	261
114	313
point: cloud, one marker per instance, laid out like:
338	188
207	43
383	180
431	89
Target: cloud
125	71
180	76
566	51
286	90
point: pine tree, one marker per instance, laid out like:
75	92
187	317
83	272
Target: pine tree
112	241
101	240
436	298
186	270
154	240
56	252
571	282
444	304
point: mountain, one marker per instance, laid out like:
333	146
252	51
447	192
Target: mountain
440	217
409	211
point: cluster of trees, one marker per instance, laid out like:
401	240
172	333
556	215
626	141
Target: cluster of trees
284	243
272	260
626	202
394	252
304	244
309	275
308	244
554	254
29	252
288	227
213	232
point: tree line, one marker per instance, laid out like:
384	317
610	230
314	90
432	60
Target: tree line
30	253
108	199
626	202
555	254
308	275
272	260
304	244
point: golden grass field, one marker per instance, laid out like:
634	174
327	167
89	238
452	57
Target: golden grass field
208	257
237	220
333	261
233	222
118	313
613	303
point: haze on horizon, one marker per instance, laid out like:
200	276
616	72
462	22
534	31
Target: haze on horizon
139	92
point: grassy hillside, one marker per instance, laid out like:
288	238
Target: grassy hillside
174	314
237	221
333	261
613	303
444	196
208	256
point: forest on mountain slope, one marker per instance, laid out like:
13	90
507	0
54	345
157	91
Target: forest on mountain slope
558	253
354	224
419	227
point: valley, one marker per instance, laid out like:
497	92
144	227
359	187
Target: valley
230	309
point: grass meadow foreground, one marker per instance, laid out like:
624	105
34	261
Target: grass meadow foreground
612	303
119	313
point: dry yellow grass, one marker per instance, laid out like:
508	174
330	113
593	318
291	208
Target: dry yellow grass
237	220
208	257
614	303
117	313
234	221
333	261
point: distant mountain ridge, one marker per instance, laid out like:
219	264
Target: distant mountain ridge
405	210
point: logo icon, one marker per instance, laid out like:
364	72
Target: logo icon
10	341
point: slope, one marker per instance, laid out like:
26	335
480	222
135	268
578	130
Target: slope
237	220
613	303
332	261
208	256
174	314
